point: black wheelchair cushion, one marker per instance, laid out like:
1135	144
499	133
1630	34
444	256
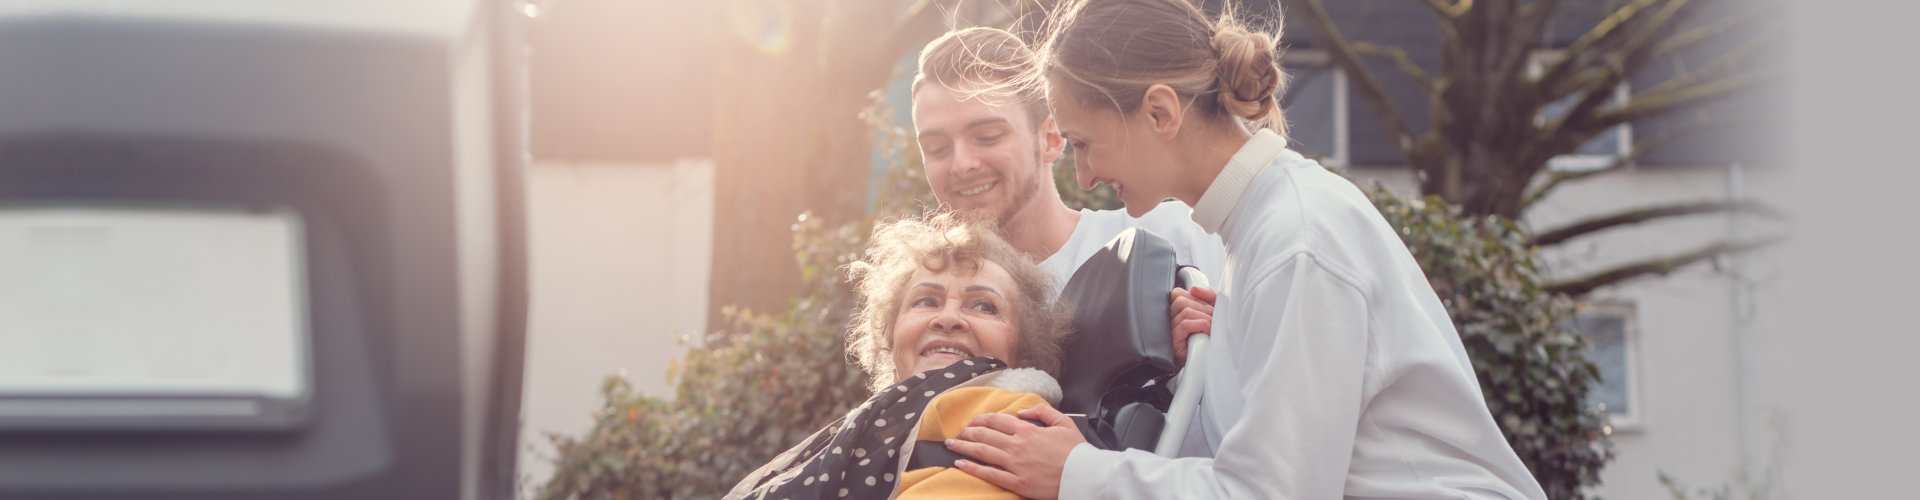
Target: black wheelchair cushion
1137	426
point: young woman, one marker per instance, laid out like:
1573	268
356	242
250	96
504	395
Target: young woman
1336	372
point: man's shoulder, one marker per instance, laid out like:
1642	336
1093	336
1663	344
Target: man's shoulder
1103	225
1095	230
1172	220
1170	213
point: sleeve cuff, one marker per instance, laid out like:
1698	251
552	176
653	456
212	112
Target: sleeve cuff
1083	476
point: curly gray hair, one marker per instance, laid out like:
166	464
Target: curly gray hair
899	248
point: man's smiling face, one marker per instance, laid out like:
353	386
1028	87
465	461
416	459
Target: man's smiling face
982	155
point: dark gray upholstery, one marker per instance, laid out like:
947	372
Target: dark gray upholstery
1121	353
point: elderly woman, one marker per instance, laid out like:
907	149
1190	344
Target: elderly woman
947	307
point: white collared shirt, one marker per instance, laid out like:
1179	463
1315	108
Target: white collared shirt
1335	370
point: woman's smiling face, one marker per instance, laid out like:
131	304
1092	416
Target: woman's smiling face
1112	148
955	314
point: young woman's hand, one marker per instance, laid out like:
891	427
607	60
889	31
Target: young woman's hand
1192	313
1027	458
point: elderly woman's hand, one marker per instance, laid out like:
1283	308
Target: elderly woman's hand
1192	313
1027	459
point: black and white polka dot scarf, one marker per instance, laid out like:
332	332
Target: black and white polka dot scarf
857	455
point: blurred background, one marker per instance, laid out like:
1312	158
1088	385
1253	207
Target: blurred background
1657	214
604	237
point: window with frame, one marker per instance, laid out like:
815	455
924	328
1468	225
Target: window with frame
1315	106
1600	151
1613	346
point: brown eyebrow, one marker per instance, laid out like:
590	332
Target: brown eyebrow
986	121
984	288
970	125
970	288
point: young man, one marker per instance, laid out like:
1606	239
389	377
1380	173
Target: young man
988	145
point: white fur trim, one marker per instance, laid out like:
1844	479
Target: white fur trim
1028	380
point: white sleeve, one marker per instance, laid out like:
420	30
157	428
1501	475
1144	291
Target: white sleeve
1303	397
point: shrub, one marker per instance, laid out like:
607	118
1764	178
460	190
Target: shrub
1531	365
751	391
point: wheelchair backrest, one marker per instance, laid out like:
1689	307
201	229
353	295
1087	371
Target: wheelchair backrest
1122	337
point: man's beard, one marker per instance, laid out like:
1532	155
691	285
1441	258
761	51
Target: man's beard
1022	195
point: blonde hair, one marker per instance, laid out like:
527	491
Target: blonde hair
1113	50
983	61
936	243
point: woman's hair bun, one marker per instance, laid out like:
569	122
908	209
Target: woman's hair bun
1249	75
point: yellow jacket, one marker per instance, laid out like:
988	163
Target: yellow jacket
945	416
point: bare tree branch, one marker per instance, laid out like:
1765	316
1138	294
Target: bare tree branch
1602	223
1371	90
1710	31
1448	10
1659	27
1567	132
1452	55
1555	179
1587	119
1612	26
1580	122
1655	104
1640	148
1536	17
1532	22
1305	74
1618	65
1657	266
1721	65
1400	60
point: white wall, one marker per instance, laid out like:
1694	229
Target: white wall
1688	368
619	258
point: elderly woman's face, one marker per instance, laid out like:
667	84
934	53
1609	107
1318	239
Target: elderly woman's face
953	315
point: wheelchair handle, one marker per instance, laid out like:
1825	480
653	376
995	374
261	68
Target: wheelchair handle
1186	399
